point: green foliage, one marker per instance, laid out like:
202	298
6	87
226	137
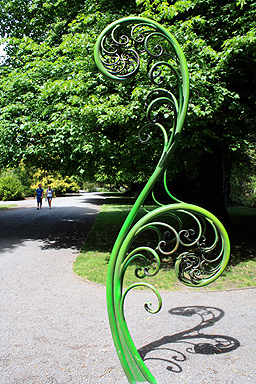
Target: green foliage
57	111
218	39
97	187
25	176
40	20
243	190
15	184
60	185
243	179
11	187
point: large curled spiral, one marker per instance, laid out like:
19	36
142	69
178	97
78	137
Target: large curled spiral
194	238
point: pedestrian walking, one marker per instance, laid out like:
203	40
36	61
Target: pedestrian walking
49	195
39	196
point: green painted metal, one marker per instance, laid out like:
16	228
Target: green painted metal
192	236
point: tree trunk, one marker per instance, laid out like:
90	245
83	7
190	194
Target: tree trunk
211	185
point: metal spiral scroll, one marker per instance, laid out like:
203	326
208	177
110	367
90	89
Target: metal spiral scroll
192	238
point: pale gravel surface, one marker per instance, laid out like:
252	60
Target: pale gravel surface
54	327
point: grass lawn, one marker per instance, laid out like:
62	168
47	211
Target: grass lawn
92	263
8	206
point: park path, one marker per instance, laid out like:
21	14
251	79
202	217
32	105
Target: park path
54	327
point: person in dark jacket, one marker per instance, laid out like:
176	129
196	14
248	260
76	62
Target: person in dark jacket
39	196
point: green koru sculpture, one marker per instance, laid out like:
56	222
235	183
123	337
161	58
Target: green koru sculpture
192	236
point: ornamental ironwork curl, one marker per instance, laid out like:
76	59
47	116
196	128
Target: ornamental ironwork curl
193	238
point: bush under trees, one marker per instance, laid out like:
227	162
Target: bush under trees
11	187
16	184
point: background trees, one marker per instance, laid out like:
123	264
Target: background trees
218	38
57	112
38	19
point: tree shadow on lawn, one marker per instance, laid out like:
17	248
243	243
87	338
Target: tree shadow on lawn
243	240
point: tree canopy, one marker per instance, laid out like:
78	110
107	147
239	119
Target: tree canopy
57	112
37	19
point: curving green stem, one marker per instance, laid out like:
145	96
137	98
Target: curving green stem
118	53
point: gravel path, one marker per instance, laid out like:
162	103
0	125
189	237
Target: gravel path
54	327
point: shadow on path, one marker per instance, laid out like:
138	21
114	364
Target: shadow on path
194	340
66	225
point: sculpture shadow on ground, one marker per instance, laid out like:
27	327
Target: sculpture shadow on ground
195	340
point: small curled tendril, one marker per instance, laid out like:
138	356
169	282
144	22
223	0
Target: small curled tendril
148	135
148	304
167	95
155	72
187	233
141	34
159	102
106	42
158	48
135	254
122	40
162	242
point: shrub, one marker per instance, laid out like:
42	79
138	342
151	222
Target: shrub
243	191
11	188
61	186
26	175
98	187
